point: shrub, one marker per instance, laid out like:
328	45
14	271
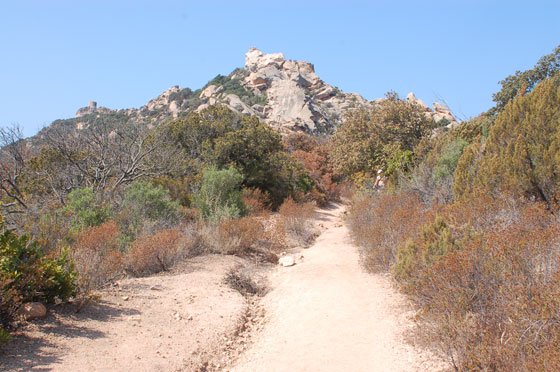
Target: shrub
158	252
86	209
295	219
488	287
26	275
238	237
220	196
380	223
314	156
369	137
256	201
446	164
97	256
146	208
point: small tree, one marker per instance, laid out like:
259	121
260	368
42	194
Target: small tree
371	136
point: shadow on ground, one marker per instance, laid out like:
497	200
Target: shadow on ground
31	348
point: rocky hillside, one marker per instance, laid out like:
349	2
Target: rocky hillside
286	94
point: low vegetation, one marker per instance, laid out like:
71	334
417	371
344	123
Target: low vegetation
118	199
471	234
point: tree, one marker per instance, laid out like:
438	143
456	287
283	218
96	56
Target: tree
221	138
106	155
522	152
371	136
524	82
13	157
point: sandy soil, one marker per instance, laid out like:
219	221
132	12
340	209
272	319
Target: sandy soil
327	314
169	323
323	314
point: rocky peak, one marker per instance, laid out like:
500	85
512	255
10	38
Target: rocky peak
286	94
293	97
440	112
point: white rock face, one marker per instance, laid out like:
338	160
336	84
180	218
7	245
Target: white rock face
297	100
440	111
210	90
287	261
286	94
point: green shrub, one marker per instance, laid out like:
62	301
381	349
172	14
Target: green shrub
233	86
370	137
145	209
85	208
26	274
522	152
220	196
413	257
445	167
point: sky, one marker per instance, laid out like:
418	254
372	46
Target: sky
58	55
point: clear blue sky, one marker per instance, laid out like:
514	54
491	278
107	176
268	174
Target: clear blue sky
58	55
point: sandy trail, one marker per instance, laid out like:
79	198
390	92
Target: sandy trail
327	314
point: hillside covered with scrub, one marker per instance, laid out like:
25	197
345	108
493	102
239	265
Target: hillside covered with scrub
467	225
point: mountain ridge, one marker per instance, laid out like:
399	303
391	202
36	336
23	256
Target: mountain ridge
286	94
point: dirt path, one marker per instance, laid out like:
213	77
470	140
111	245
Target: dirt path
327	314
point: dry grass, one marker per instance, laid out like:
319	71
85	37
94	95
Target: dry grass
380	223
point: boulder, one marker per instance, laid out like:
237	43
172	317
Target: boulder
32	310
287	261
210	91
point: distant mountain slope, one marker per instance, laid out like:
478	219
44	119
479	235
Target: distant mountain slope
286	94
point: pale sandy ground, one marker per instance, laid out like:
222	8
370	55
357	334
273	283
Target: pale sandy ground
168	323
324	314
327	314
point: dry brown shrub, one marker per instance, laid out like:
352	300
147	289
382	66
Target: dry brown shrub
158	252
380	223
492	302
256	201
296	221
96	256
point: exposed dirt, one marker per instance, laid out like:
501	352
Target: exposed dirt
173	322
326	314
323	314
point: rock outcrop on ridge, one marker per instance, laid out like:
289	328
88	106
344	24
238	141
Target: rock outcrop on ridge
286	94
296	99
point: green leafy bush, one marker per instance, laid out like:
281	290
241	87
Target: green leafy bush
85	208
220	196
370	137
233	86
445	167
26	274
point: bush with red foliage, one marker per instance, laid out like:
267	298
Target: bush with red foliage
485	275
484	272
296	221
151	254
96	255
314	157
